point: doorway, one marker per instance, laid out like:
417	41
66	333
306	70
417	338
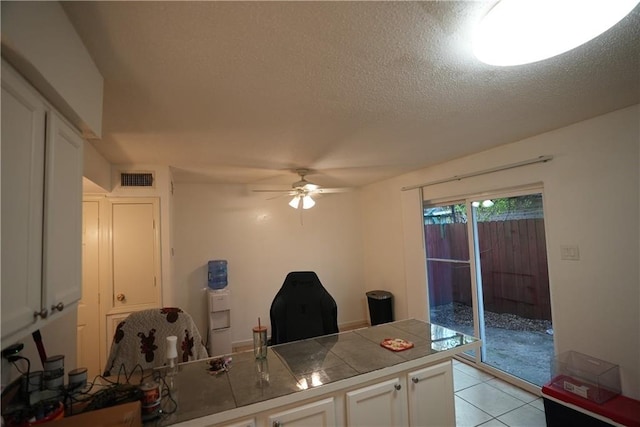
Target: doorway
487	276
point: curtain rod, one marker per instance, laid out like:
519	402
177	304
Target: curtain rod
541	159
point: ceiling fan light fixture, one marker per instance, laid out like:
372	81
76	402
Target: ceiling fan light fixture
304	202
295	202
308	202
516	32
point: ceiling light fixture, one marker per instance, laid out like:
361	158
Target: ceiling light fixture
307	202
516	32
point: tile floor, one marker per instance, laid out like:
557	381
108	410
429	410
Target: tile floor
484	400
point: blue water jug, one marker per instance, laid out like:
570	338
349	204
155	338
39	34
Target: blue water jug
217	277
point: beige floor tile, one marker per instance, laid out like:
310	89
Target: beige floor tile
514	391
490	399
538	403
474	372
468	415
462	380
525	416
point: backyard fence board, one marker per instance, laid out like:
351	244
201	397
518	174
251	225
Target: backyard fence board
513	263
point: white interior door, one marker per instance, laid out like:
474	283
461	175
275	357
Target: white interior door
89	307
135	254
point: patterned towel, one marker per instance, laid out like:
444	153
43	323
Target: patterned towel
140	339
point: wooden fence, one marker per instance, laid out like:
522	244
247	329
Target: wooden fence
513	262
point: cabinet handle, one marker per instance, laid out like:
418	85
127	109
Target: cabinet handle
277	424
120	297
42	313
397	386
59	307
415	380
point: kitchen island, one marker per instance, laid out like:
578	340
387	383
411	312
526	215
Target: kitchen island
342	379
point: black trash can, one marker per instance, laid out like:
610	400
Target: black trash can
380	307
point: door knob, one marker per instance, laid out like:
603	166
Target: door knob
42	313
398	386
415	380
120	297
59	307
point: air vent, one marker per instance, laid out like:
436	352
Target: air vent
136	179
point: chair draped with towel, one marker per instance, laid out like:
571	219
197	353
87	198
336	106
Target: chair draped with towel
302	308
140	339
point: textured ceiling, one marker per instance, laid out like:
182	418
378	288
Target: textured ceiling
239	92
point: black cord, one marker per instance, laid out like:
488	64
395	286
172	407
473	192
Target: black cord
14	359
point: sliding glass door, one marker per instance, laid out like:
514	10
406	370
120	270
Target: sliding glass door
449	267
487	275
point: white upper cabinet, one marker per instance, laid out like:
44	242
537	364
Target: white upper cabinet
63	215
23	133
41	210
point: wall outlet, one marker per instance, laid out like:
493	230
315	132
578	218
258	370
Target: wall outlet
569	252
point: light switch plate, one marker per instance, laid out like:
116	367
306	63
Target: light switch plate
569	252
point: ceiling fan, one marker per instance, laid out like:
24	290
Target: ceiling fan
302	190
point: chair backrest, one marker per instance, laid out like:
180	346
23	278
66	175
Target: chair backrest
140	339
302	308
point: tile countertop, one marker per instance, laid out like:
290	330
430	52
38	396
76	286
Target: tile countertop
301	365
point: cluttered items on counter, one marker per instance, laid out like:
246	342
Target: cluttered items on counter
396	344
37	397
219	365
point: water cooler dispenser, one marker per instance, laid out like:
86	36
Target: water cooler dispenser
219	309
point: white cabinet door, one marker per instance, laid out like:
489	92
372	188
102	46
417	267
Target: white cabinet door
23	126
383	404
63	216
317	414
244	423
431	401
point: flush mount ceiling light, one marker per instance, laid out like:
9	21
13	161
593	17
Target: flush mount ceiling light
516	32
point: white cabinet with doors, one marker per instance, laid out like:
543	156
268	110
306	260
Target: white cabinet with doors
320	414
416	393
41	210
244	423
382	404
430	390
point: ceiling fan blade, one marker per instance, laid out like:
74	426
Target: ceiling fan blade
277	197
273	191
333	190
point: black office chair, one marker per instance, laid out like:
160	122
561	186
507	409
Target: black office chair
302	308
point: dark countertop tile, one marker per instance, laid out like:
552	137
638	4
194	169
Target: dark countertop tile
300	365
257	380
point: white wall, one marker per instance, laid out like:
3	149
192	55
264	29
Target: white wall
58	337
40	42
96	168
591	196
263	240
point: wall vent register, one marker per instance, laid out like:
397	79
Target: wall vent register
136	179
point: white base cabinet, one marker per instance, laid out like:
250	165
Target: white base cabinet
383	404
418	397
244	423
430	392
321	414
